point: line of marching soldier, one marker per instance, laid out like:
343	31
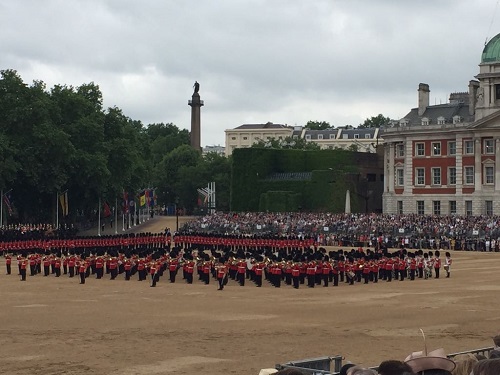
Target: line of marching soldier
312	266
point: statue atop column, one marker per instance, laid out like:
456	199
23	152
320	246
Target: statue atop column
196	87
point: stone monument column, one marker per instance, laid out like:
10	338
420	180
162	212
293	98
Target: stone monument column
196	105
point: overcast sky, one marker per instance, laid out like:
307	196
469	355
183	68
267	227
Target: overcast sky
256	60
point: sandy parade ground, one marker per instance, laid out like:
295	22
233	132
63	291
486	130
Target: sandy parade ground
56	326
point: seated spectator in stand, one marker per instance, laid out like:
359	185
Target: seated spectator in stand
487	367
464	363
432	363
393	367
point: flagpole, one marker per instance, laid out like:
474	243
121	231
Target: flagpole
99	218
116	215
57	210
1	208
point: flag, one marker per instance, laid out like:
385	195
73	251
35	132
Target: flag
7	202
146	193
63	200
152	198
106	209
142	199
125	202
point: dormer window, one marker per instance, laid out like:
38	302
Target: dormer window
403	122
457	119
308	137
332	136
320	136
441	120
425	121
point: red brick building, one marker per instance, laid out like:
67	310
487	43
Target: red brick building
441	159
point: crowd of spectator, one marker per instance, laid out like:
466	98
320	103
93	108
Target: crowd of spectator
435	362
414	231
27	231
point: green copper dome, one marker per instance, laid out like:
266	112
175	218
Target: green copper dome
491	51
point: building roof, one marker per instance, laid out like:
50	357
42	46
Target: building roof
269	125
491	52
448	111
325	133
361	132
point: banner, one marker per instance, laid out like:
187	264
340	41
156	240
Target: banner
152	198
125	203
6	201
142	199
63	200
106	209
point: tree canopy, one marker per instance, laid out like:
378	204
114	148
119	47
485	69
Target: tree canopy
58	139
317	125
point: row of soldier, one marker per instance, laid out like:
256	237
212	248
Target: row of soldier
294	267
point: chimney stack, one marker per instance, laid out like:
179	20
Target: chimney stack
423	98
473	86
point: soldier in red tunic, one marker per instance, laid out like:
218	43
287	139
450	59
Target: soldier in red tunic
22	268
81	270
8	262
221	273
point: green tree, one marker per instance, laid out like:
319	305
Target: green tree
317	125
375	122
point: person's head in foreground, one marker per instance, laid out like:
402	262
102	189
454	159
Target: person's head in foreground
432	363
394	367
487	367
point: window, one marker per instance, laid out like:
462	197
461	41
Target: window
452	148
367	136
245	138
419	149
400	180
400	151
356	136
468	208
425	121
345	136
320	136
308	137
400	207
436	148
403	122
441	120
489	174
469	175
420	207
469	147
489	208
452	176
436	176
489	146
436	207
332	136
420	176
453	207
457	119
497	92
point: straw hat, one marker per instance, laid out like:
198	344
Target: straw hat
435	360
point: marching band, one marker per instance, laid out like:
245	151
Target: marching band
292	261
